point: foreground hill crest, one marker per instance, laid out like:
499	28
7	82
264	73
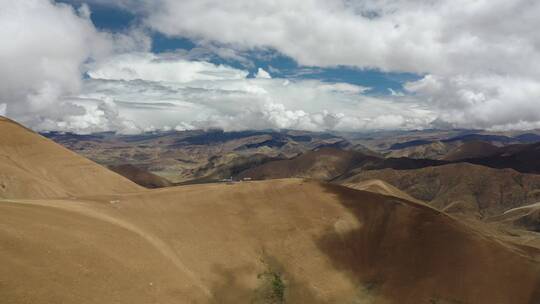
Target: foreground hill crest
32	166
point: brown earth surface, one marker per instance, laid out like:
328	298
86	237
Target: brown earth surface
277	241
210	243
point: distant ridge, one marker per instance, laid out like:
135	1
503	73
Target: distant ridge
141	177
471	149
477	189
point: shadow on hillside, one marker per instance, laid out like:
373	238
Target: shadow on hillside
400	247
385	248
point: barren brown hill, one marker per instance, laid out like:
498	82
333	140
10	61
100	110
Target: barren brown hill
461	187
322	164
140	176
435	144
472	149
330	163
432	150
278	241
227	165
239	243
32	166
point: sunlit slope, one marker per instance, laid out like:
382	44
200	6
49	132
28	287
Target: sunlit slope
32	166
217	243
381	187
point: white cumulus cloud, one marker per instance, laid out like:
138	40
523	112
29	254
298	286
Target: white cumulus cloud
150	67
485	54
44	49
261	73
233	102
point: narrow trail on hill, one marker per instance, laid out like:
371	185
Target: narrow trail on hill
163	248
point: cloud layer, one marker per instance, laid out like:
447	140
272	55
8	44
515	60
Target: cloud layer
440	37
205	95
480	62
483	55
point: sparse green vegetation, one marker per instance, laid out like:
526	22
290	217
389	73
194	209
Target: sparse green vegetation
278	287
272	288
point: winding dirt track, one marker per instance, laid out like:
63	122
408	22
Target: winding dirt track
85	209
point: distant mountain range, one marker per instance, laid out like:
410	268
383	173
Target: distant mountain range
198	155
